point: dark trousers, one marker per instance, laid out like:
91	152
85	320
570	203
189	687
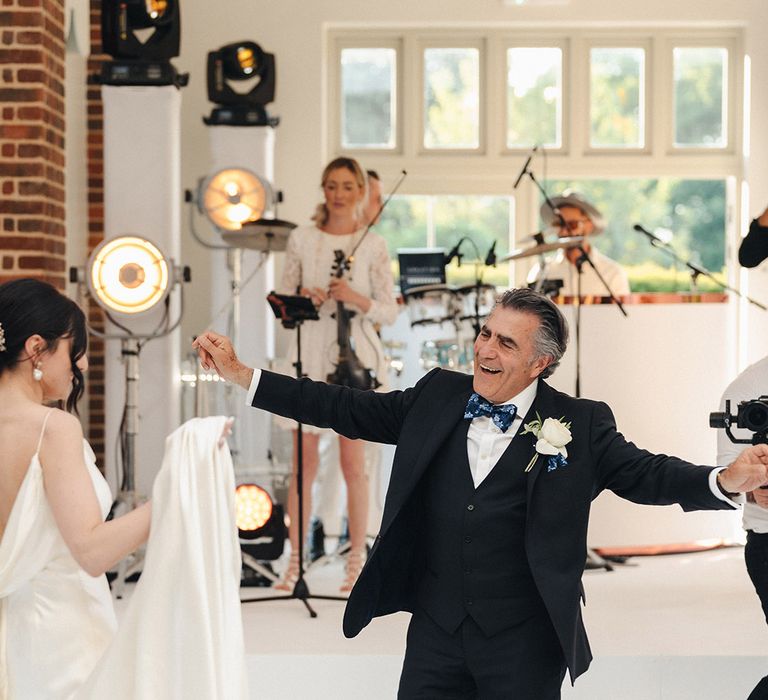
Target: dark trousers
524	662
756	557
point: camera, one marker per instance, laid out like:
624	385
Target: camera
750	415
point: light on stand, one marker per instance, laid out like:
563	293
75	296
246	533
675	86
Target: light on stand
232	196
262	531
130	276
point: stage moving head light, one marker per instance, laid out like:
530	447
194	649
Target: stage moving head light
145	29
142	36
238	63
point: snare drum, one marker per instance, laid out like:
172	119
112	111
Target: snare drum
432	303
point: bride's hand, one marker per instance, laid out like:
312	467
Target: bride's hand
226	431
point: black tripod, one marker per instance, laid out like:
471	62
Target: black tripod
292	312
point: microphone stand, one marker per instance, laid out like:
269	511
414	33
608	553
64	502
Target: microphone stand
594	560
584	257
695	269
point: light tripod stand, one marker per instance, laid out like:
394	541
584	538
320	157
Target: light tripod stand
292	312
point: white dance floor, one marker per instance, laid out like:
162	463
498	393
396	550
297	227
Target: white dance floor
675	627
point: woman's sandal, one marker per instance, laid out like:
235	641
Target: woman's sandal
355	561
290	576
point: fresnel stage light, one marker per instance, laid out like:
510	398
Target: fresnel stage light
262	531
242	63
233	196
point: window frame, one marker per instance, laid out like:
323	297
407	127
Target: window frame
453	42
554	41
335	93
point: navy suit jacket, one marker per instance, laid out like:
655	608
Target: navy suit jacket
418	420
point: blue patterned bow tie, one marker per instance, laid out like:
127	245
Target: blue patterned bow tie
502	416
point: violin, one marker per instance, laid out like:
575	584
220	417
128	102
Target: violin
349	370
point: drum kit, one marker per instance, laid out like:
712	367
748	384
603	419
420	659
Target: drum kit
463	308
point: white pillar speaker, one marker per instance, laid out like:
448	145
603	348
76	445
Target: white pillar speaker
142	196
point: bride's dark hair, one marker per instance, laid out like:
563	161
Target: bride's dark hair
31	307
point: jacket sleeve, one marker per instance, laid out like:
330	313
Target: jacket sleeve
754	247
643	477
365	415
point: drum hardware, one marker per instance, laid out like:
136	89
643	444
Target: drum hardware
260	234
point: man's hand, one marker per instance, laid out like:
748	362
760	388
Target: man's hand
747	472
760	497
216	352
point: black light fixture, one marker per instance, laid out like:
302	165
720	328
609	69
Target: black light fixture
142	36
241	62
262	531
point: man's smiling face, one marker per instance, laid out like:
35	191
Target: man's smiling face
505	355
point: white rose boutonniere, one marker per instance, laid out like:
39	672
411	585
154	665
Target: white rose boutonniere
552	436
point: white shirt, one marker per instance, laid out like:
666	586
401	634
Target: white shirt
750	384
486	443
485	440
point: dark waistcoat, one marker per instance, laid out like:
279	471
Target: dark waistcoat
474	542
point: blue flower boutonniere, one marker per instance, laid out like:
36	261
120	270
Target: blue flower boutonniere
552	435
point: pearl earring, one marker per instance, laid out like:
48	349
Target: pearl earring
37	373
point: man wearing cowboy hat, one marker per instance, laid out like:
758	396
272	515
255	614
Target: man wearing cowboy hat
575	216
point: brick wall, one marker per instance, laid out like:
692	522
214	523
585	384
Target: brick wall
32	240
32	166
95	194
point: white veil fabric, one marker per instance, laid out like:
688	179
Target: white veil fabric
182	636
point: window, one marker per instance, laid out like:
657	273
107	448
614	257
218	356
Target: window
690	213
451	98
617	98
534	97
700	75
419	221
368	97
643	115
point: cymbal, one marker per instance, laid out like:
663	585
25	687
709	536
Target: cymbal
261	234
570	242
422	289
471	288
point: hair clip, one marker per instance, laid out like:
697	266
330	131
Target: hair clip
2	338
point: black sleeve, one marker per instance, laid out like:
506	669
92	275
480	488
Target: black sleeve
643	477
365	415
754	247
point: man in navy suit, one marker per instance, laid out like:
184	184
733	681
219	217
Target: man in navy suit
483	536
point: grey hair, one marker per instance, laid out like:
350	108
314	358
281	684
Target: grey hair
551	338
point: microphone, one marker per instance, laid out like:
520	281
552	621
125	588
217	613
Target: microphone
490	259
453	253
654	238
525	167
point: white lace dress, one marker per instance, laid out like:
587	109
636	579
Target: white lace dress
309	263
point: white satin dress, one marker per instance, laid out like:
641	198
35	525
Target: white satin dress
55	619
181	635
